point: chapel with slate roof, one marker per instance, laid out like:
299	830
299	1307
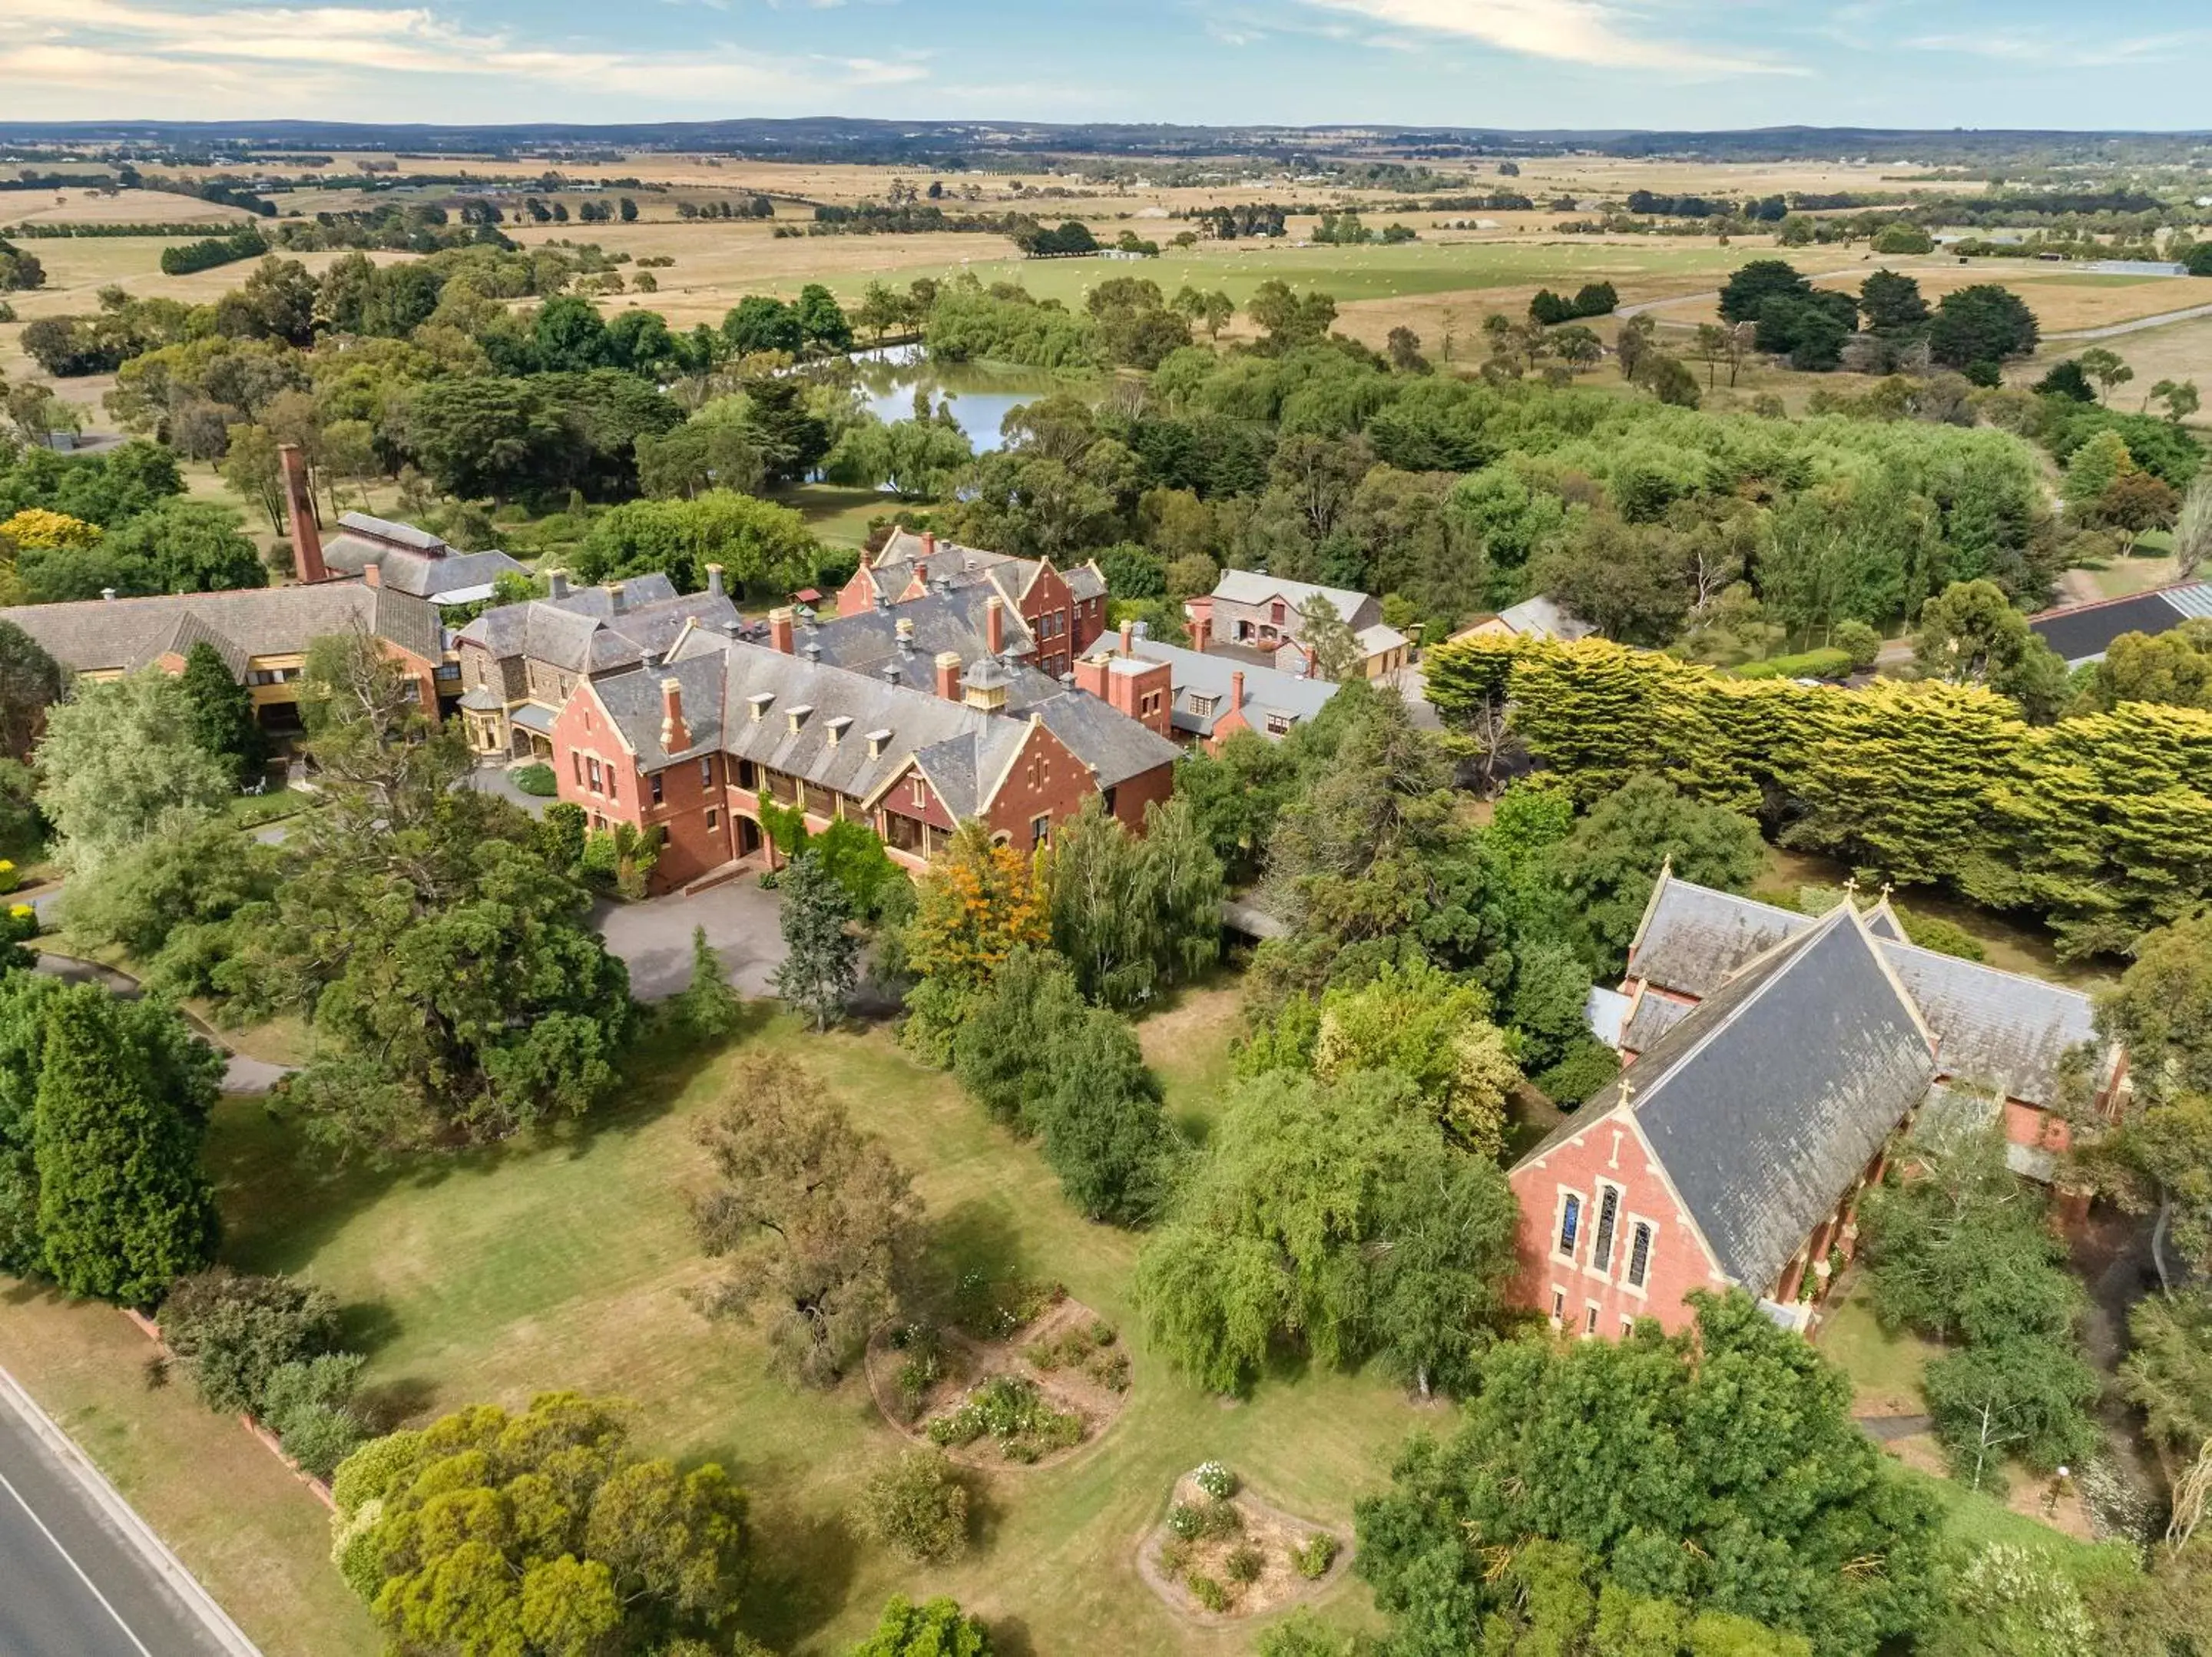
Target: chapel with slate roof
1770	1060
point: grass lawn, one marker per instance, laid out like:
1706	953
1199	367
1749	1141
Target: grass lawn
498	1273
243	1525
837	515
1885	1368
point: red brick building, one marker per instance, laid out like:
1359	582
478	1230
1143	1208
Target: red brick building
695	744
1054	615
2020	1043
1732	1151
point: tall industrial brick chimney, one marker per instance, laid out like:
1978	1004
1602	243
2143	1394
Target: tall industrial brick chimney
299	504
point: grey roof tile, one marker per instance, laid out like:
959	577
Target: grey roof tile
99	634
1996	1028
1692	937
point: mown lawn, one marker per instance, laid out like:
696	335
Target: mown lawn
498	1273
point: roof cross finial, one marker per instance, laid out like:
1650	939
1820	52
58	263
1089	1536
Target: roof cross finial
1887	889
1852	885
1627	1090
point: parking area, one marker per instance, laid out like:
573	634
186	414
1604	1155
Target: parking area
655	938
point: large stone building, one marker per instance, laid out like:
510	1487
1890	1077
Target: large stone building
1058	612
697	744
1262	615
520	663
1771	1058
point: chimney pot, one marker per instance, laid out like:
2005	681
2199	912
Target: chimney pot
779	631
107	594
675	735
556	583
714	580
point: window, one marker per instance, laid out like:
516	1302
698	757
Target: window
1570	1220
576	760
1640	1255
1203	707
1590	1323
706	771
1559	1304
1279	725
612	792
714	819
591	769
1609	1211
920	791
1627	1325
656	787
745	773
1040	831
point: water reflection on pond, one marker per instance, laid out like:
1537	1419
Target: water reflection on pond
981	397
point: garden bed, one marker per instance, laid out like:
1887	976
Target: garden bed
1221	1558
1024	1380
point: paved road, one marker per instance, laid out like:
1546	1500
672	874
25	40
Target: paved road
655	938
2112	331
75	1579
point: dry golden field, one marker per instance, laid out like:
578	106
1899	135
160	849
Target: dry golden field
67	206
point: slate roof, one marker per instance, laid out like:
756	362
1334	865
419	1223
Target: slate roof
387	529
1545	618
1997	1029
360	540
583	632
1245	586
2083	633
1692	937
97	636
447	577
1115	746
1197	675
869	641
1654	1017
1767	1102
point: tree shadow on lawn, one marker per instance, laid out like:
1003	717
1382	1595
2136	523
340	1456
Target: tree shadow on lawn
284	1199
804	1564
977	1235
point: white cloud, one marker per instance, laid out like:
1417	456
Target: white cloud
2044	49
1595	33
63	59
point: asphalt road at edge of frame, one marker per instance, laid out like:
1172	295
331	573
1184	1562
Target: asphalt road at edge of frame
71	1584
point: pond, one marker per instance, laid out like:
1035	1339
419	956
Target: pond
981	397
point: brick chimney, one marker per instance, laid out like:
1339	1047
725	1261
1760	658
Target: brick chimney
994	623
618	596
929	543
714	581
1129	635
948	675
1201	633
1237	691
299	503
780	632
372	574
675	735
556	583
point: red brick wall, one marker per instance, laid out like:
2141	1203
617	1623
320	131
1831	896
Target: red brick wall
1609	1151
858	594
1044	779
1152	788
582	732
1048	596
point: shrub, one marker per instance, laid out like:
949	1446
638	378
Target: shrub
1209	1592
304	1405
1218	1519
1175	1556
916	1507
1588	1065
1243	1565
1013	1413
1185	1523
1934	933
9	879
1312	1558
368	1471
1829	663
534	779
991	1309
1110	1370
922	1368
1215	1479
1858	641
233	1332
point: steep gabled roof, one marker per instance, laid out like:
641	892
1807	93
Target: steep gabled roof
1997	1029
1766	1103
1245	586
870	640
98	635
453	574
1692	937
582	632
2083	633
1201	677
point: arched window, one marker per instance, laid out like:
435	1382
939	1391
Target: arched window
1570	1221
1608	1211
1640	1255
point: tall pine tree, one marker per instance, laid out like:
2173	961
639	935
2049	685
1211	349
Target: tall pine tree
124	1207
823	963
221	719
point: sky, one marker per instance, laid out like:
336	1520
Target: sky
1523	64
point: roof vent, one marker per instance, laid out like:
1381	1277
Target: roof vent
838	726
732	628
905	629
760	701
798	715
891	674
878	741
813	651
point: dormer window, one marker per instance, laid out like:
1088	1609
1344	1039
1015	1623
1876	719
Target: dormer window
798	716
760	701
878	741
838	726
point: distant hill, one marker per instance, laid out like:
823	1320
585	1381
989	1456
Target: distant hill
841	138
